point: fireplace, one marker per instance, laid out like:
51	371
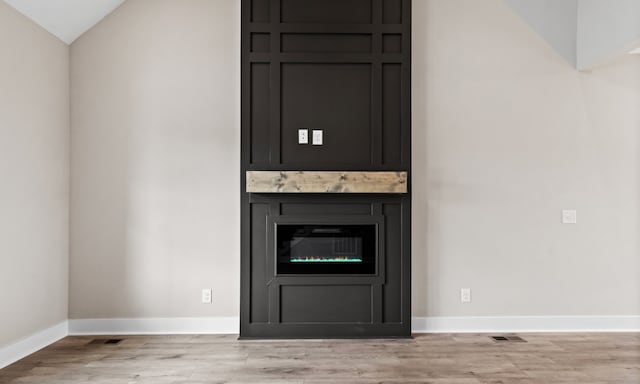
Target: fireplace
326	249
325	169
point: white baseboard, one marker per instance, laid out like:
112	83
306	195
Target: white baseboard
13	352
471	324
507	324
155	326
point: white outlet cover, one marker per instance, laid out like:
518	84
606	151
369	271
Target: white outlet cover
569	216
317	137
206	296
465	295
303	136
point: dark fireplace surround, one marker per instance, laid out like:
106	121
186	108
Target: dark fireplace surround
326	263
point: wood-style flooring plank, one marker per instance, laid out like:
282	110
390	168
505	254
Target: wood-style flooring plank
434	358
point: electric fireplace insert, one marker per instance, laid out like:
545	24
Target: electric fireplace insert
326	249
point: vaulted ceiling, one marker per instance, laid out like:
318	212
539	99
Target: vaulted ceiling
66	19
585	32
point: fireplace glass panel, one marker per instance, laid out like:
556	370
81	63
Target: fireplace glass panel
326	249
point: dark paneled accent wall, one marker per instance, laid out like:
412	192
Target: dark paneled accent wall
342	66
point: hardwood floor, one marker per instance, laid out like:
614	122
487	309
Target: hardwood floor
433	358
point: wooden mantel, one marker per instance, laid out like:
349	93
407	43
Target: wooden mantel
326	182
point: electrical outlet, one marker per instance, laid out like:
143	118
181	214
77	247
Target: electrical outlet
465	295
569	216
303	136
206	296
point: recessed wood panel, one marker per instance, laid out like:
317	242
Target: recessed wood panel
392	289
325	304
260	42
325	42
315	208
259	297
391	114
326	11
391	11
260	129
260	11
392	43
334	98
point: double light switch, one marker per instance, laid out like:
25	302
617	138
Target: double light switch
316	136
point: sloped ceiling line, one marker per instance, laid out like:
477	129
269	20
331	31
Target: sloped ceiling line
606	29
66	19
587	33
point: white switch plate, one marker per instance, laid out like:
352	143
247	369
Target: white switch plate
303	136
465	295
569	216
206	296
317	137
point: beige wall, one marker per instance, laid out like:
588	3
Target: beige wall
506	135
155	161
34	172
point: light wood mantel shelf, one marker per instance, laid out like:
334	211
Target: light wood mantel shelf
326	182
